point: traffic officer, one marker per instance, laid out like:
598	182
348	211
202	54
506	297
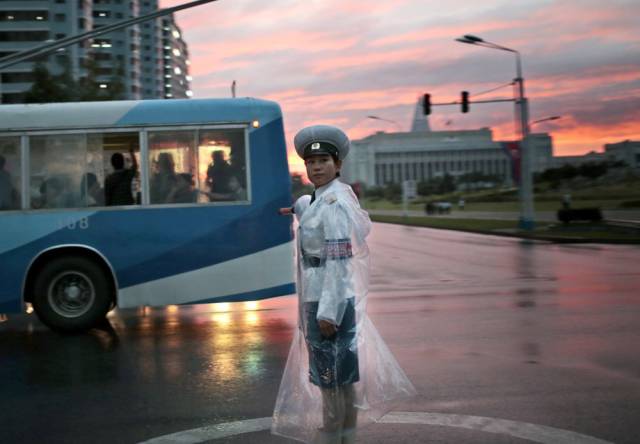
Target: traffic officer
325	392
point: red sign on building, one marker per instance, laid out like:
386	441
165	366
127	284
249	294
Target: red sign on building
513	150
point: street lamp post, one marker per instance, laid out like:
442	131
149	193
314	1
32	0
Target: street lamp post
527	221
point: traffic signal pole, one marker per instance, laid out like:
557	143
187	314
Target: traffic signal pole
525	190
527	215
522	108
456	102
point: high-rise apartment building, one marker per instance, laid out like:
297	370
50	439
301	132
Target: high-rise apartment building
139	57
176	61
117	54
151	53
25	24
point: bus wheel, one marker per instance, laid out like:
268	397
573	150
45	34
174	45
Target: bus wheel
71	294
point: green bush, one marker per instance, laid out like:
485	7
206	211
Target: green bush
629	204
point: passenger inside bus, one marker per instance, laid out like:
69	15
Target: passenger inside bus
117	185
91	192
218	174
9	198
54	193
164	179
183	191
235	191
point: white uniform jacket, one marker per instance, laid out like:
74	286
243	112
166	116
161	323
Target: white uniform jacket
331	232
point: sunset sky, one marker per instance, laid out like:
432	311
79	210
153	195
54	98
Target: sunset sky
337	61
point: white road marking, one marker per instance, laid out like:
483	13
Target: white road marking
532	432
214	431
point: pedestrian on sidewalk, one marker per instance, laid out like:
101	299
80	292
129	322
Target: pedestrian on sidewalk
339	374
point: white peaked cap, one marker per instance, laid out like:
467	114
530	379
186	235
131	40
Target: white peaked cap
321	139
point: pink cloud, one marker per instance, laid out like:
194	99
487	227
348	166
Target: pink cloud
306	55
430	33
552	86
334	64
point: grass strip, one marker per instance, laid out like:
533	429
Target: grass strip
480	225
551	205
544	231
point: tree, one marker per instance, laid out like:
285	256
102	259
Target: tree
557	174
437	185
593	170
64	88
590	170
45	87
375	192
66	81
447	184
393	192
89	89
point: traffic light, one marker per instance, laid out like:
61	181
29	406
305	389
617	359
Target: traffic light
426	104
465	101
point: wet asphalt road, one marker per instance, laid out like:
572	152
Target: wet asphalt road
486	326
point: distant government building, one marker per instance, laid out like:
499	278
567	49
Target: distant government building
150	59
422	154
627	151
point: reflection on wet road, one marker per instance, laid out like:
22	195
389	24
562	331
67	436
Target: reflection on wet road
522	300
144	372
487	326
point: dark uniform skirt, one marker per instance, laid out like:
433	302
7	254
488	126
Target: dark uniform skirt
332	361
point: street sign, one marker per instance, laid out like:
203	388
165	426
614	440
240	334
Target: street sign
409	189
408	192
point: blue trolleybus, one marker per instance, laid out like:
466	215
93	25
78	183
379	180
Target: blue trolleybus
130	203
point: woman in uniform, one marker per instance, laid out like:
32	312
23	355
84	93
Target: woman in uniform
339	374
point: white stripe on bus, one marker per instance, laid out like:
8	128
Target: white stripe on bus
270	268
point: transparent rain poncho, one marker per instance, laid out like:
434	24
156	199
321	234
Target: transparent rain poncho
331	385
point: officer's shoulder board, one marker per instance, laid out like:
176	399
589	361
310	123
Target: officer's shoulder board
330	198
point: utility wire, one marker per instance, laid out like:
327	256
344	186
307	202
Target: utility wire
492	89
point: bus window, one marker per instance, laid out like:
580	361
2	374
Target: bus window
84	170
56	170
172	160
222	165
113	158
9	173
